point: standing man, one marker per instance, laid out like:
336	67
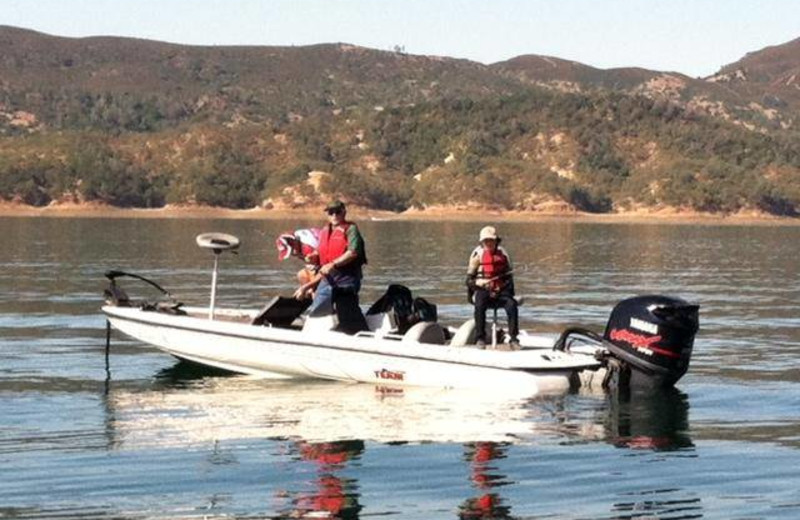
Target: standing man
341	256
490	282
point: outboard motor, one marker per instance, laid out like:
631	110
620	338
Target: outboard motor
652	338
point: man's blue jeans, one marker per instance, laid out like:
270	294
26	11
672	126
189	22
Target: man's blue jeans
323	298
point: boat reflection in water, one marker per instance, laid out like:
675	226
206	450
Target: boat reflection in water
185	408
334	495
324	427
655	422
481	457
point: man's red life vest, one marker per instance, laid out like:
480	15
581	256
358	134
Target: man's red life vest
494	263
332	242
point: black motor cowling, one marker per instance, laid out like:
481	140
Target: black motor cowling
653	337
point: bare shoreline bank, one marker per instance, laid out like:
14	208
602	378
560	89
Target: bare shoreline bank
359	213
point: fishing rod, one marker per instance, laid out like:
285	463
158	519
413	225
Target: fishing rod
498	277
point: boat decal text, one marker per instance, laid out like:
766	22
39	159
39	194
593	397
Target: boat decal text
390	374
644	344
644	326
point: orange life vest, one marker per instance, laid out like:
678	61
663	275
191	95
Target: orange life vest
494	264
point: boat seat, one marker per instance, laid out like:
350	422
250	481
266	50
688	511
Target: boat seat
425	332
382	323
280	312
398	304
465	335
320	324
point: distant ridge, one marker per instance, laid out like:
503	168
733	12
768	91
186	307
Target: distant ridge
770	76
350	73
547	69
361	75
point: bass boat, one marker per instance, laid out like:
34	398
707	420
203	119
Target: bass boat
647	342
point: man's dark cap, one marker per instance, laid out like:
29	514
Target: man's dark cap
336	205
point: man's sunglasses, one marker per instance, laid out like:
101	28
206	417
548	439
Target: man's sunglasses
334	212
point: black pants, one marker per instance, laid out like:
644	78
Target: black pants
504	300
345	305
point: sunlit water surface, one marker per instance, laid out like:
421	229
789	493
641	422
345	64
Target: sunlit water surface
153	438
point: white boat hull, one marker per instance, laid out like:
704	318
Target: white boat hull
286	353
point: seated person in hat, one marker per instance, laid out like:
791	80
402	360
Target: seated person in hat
490	284
341	257
301	244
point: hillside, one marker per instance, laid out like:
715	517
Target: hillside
727	95
183	82
571	74
770	77
140	123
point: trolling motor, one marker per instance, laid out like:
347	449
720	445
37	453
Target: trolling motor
647	342
115	295
216	242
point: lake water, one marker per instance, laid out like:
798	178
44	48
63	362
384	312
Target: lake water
148	437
